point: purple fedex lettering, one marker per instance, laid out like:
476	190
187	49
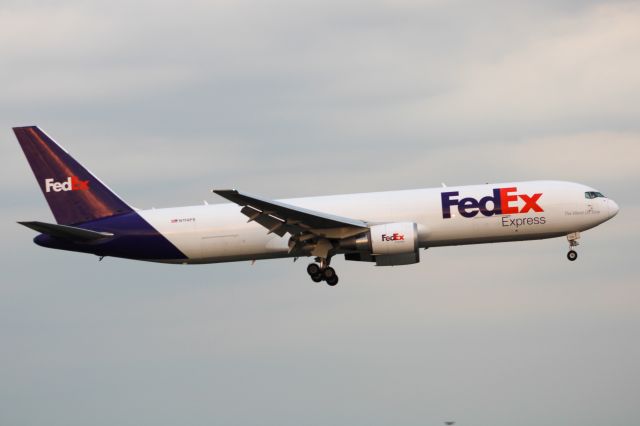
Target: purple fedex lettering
447	202
469	207
495	200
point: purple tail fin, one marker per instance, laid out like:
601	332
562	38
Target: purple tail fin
73	193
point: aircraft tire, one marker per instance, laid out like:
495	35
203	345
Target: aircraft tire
328	273
333	280
316	278
572	255
313	269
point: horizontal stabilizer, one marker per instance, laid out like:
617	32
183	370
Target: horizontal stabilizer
66	232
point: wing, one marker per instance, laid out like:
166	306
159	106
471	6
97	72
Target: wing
280	218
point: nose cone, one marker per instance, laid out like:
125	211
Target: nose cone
613	208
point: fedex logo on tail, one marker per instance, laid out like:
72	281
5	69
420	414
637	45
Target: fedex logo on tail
73	183
503	201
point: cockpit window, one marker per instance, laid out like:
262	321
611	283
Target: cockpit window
593	194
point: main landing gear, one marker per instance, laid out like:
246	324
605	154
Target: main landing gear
573	242
322	272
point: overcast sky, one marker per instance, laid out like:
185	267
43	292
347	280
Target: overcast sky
165	100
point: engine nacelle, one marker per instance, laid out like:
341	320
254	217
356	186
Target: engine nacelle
388	244
394	238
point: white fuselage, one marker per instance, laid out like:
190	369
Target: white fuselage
220	233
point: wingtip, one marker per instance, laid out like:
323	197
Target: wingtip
28	224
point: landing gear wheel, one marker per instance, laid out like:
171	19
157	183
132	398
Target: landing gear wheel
328	273
333	280
313	269
573	242
322	271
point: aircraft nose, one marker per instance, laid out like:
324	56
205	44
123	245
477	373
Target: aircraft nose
613	208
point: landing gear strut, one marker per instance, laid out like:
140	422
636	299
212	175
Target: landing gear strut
573	242
322	272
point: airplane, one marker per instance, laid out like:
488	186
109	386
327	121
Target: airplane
384	228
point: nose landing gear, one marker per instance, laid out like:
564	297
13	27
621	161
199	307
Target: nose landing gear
322	272
573	242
